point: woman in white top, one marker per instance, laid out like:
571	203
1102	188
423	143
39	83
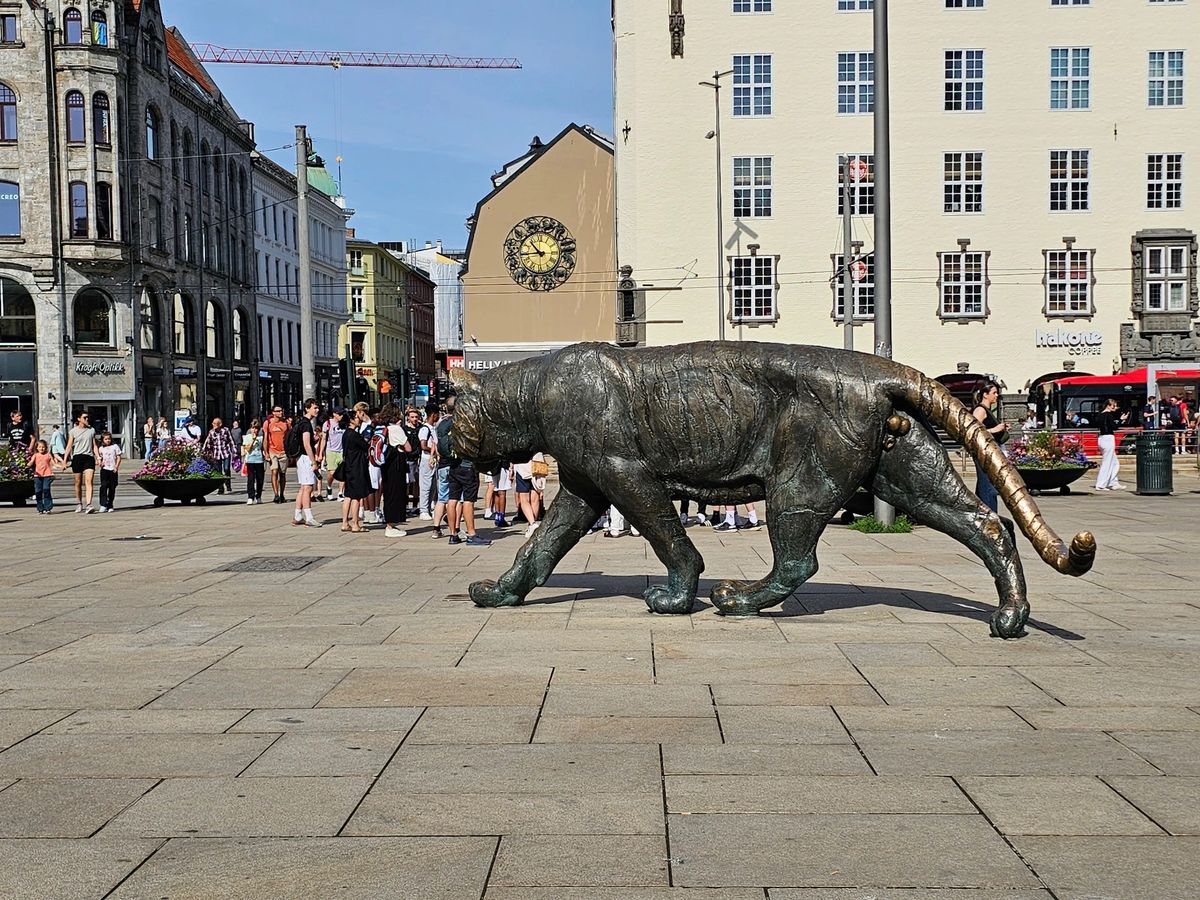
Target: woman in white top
81	450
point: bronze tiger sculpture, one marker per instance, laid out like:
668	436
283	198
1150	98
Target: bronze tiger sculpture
799	427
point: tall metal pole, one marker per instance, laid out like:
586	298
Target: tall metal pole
884	512
847	276
308	363
715	84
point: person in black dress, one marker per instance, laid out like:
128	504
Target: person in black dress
357	487
986	399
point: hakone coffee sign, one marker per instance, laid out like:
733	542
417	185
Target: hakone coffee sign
1077	343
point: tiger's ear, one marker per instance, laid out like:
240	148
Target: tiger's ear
464	382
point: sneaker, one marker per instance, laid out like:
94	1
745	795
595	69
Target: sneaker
312	523
700	520
489	513
250	502
87	510
454	539
426	517
1117	487
394	532
725	526
437	534
500	523
531	529
78	507
1101	488
683	520
750	526
476	541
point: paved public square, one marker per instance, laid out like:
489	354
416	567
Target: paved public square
359	729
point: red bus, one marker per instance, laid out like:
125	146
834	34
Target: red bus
1072	404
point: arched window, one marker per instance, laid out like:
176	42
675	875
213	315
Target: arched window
218	250
241	328
216	174
150	329
183	326
18	322
151	133
174	149
8	113
93	318
76	117
101	119
99	28
189	249
104	218
188	152
204	166
73	26
214	344
243	192
79	209
233	190
10	209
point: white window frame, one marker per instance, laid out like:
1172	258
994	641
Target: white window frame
753	83
1075	190
1166	267
753	193
1074	2
962	182
753	281
856	82
862	292
1070	85
862	193
963	292
751	7
1164	181
964	4
961	83
1164	88
1064	278
851	6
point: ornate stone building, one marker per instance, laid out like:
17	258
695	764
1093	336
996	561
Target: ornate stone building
124	220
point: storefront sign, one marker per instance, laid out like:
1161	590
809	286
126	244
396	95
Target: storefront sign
454	362
486	360
1077	343
100	368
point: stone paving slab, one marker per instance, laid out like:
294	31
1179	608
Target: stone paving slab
314	869
794	794
132	755
1173	803
1085	868
1069	805
68	870
65	807
562	861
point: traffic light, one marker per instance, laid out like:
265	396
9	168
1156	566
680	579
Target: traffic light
362	390
443	391
349	381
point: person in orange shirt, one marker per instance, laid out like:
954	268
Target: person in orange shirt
274	433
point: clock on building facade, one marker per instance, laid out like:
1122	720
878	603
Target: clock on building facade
539	253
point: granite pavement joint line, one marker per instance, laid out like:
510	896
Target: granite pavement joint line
662	777
854	740
162	694
537	720
162	843
716	713
1134	751
1112	787
1004	837
375	779
39	731
125	807
268	746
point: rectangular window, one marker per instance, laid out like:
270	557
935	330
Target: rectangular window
356	260
856	82
862	274
751	6
356	300
753	287
1074	2
79	209
155	224
1167	278
962	182
855	5
752	186
963	284
1070	77
1069	181
862	184
1164	181
1166	78
8	29
752	84
964	4
1068	282
104	220
964	80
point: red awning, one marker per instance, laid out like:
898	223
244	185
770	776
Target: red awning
1135	377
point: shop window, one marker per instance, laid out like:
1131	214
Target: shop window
150	329
8	113
104	219
93	319
73	27
79	209
10	209
18	322
76	118
101	119
183	326
213	332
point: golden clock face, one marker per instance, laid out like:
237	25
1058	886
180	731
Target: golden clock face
539	253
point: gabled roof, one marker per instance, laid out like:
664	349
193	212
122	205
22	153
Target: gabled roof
536	150
181	56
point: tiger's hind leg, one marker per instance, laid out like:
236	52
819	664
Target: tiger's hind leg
917	477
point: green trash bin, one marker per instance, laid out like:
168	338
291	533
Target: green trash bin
1155	451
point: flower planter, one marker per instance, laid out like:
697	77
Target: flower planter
1059	479
185	490
16	492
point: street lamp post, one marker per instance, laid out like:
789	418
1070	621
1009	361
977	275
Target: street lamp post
715	84
884	512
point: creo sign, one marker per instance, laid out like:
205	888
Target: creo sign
1077	343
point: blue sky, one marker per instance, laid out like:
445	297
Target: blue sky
418	145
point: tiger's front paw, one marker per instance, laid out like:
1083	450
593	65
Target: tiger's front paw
661	599
1009	621
490	595
731	598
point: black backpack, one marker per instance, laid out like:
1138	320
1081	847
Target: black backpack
1175	414
444	444
293	441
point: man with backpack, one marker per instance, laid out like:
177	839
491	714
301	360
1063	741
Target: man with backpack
301	444
462	484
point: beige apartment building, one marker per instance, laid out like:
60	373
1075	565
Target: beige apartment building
1043	198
